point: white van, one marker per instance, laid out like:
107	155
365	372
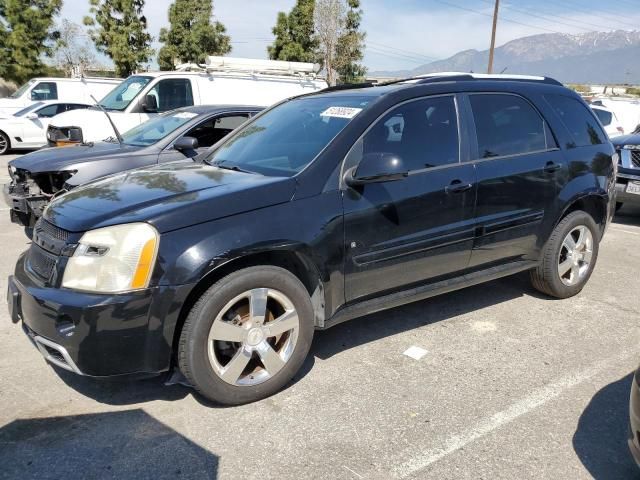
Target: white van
68	90
223	80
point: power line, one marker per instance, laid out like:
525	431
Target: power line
617	20
400	50
396	55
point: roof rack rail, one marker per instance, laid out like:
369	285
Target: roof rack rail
461	77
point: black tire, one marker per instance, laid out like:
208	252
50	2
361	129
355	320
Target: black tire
193	346
545	278
5	143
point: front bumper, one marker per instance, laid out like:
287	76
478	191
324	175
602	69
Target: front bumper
634	418
98	335
25	208
622	181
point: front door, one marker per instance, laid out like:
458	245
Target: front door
518	169
419	228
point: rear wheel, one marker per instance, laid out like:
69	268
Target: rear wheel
247	335
5	144
568	257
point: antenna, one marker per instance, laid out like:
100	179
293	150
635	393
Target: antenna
113	125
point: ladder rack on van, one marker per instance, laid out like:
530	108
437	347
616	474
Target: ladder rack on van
252	65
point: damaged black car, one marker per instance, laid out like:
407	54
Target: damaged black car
39	177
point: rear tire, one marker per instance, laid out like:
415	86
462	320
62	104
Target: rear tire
569	256
5	143
247	335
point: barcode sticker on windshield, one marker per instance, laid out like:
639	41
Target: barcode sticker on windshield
341	112
185	115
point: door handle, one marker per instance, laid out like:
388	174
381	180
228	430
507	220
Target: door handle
457	187
551	167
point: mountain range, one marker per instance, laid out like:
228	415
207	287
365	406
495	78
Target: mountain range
593	57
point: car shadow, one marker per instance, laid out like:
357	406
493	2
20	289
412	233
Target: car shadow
374	327
124	444
628	215
600	440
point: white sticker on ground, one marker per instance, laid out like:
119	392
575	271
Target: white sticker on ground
415	352
341	112
534	400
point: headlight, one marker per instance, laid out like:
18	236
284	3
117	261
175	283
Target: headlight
12	171
113	259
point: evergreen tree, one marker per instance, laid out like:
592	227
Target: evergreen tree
121	33
350	47
26	36
295	39
191	36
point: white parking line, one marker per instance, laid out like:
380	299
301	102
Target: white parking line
625	231
536	399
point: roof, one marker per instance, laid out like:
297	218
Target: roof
206	109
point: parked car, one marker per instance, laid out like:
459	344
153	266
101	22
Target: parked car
318	210
38	177
67	90
634	418
609	121
223	80
628	177
27	128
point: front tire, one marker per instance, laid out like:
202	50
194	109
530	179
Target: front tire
569	256
247	335
5	143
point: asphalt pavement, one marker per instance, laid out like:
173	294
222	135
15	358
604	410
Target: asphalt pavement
510	384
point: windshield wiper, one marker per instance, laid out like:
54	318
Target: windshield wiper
235	168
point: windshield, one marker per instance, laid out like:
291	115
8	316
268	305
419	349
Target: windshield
156	129
28	109
287	138
18	93
120	97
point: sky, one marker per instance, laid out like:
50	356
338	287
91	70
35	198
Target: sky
404	34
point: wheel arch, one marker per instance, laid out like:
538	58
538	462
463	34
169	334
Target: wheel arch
595	205
8	137
295	262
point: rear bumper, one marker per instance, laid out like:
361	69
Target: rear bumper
98	335
634	418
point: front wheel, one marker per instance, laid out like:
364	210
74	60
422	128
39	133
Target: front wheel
5	143
247	335
569	256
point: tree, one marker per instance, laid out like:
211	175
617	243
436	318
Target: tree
121	33
295	39
26	36
329	19
350	47
72	51
191	36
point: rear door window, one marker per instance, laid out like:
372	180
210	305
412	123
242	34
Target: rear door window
578	119
172	93
508	125
45	91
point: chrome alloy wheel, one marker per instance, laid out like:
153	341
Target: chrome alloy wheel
575	255
253	337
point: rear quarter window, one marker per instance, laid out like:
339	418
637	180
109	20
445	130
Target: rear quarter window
580	122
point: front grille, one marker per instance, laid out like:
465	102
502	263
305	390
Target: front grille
635	158
44	228
41	262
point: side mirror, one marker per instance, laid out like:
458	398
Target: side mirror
32	116
150	104
186	145
375	168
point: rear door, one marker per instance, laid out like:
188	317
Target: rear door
518	164
418	228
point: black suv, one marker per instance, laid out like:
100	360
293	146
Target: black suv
320	209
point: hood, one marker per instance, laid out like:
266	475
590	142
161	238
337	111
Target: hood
57	159
170	197
631	139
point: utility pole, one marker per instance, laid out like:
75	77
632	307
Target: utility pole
493	37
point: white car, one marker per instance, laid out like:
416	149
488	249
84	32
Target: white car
609	121
27	129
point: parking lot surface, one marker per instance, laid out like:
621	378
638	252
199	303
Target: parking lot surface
512	385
